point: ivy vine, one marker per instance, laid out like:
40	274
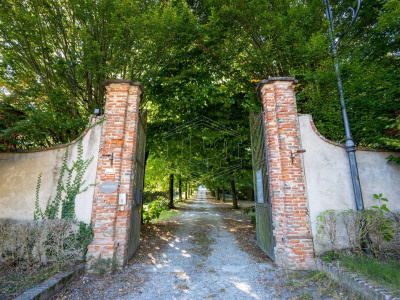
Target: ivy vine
66	193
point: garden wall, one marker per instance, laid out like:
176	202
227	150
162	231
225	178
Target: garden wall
328	180
19	174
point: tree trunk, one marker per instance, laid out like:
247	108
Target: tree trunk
223	194
218	193
234	199
186	191
190	191
171	191
180	188
253	196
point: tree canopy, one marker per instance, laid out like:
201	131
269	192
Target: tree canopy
194	58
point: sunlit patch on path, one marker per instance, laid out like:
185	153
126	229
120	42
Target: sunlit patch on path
208	251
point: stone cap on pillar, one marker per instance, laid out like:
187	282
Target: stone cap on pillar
109	81
271	79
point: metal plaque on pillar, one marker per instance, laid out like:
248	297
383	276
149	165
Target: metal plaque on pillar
108	187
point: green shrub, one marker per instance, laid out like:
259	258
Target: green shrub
33	244
252	210
153	210
377	227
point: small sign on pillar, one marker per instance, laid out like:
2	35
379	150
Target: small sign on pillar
108	187
109	175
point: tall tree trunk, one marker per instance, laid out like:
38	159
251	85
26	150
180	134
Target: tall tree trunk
190	191
180	188
218	193
186	191
234	199
171	191
253	196
223	193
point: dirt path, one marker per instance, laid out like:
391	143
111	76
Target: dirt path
198	256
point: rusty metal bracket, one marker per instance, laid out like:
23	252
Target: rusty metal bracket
294	153
110	156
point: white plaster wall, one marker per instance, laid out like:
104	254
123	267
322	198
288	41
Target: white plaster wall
328	179
19	173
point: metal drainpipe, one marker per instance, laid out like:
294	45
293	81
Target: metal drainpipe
349	145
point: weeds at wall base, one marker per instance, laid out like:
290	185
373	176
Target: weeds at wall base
102	265
31	251
348	229
315	284
383	272
15	281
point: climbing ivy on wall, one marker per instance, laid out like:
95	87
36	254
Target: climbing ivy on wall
66	191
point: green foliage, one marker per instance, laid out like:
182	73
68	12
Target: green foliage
194	58
393	158
153	210
376	227
102	265
157	174
392	138
384	272
383	206
251	210
84	237
66	192
330	256
326	228
385	224
37	244
54	57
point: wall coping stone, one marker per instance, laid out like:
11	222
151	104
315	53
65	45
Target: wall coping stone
271	79
51	286
342	145
92	118
133	83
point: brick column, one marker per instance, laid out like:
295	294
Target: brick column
293	240
117	152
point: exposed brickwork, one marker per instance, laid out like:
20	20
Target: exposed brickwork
293	240
117	151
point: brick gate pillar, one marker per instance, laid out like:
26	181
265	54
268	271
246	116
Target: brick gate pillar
293	240
110	219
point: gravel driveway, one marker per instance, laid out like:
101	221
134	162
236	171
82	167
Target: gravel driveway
199	255
204	261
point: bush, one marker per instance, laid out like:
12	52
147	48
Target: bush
345	229
33	244
153	210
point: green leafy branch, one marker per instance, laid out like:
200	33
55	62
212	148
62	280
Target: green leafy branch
154	209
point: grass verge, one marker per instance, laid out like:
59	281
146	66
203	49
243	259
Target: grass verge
14	283
383	272
168	214
315	285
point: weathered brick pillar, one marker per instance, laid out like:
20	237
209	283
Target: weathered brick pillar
116	163
291	222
